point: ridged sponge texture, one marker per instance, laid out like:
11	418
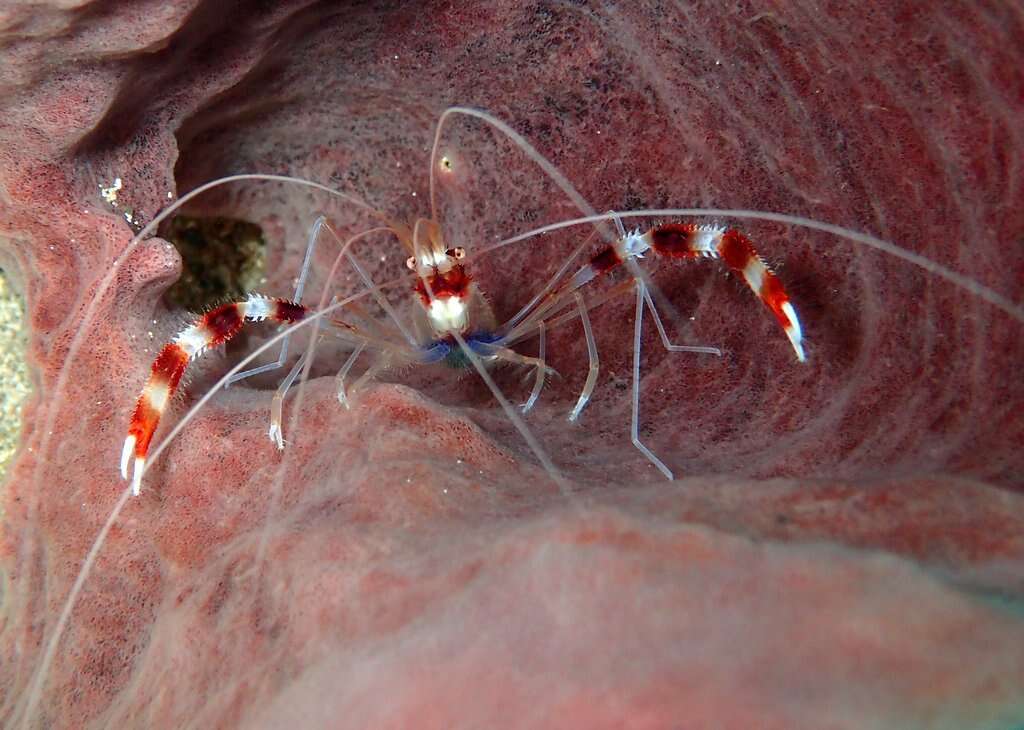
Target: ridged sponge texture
830	549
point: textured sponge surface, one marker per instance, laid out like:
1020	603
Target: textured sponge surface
843	546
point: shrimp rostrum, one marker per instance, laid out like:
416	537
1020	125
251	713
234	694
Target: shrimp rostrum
451	322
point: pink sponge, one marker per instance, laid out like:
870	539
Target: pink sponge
842	546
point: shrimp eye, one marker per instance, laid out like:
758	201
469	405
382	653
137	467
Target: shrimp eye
446	163
411	262
457	253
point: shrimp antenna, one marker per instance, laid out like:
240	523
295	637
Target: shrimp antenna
553	173
519	141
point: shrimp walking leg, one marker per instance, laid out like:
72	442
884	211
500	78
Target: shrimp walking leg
594	362
538	384
359	336
517	421
664	335
508	355
634	424
528	308
344	371
378	366
277	404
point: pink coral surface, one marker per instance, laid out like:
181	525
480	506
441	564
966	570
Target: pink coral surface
843	546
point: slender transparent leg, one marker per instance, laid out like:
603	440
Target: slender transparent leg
529	307
664	335
538	385
381	300
343	373
511	356
375	292
381	363
300	287
277	404
634	426
512	414
595	364
370	373
523	319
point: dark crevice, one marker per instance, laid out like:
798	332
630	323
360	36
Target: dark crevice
222	260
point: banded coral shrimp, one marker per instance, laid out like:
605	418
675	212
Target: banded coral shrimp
451	310
642	298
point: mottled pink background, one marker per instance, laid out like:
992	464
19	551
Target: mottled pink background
843	545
